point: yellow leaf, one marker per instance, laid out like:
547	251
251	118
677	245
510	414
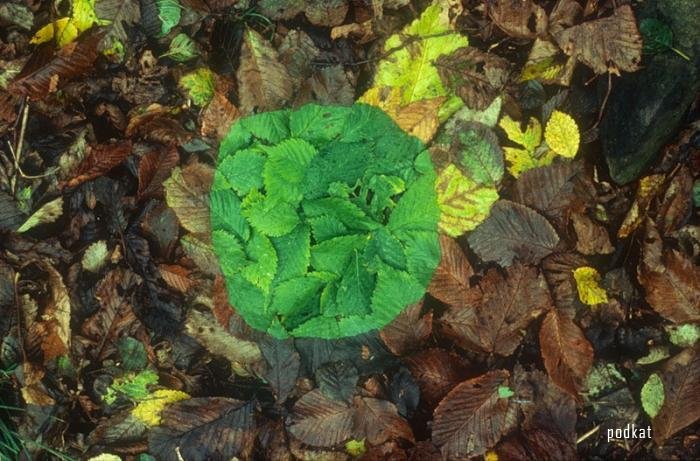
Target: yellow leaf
491	456
149	410
562	134
521	160
463	203
529	139
83	14
62	30
355	448
588	284
648	187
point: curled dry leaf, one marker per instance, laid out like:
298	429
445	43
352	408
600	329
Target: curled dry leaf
566	352
676	205
450	282
681	407
408	330
473	417
476	77
54	326
513	231
502	308
101	159
670	279
648	188
605	45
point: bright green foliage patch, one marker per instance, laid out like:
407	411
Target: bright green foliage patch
324	220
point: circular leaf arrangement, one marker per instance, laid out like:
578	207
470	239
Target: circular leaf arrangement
324	220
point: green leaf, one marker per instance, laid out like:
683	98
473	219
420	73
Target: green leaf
243	171
132	353
132	386
47	214
285	169
169	14
685	335
199	85
653	395
95	256
182	48
269	217
657	35
294	253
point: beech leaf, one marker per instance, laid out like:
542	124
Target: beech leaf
588	285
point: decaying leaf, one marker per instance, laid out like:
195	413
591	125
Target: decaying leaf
186	192
436	371
283	366
450	282
118	12
320	421
154	168
513	231
101	158
476	77
605	45
591	237
378	420
48	213
54	327
516	16
177	277
670	279
473	416
95	256
681	407
566	352
408	330
648	188
218	116
498	311
263	81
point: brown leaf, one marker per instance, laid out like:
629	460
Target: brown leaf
513	16
420	118
320	421
591	237
436	371
177	277
221	308
559	272
503	308
283	366
204	428
473	417
263	82
513	231
408	330
217	117
648	188
681	407
53	328
677	204
101	159
154	168
450	282
164	130
378	421
566	352
671	281
605	45
476	77
326	13
187	193
536	445
42	75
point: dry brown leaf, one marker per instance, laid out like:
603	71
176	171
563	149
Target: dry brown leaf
605	45
360	33
176	277
436	371
591	237
473	417
54	326
677	204
263	82
33	390
681	407
408	330
187	193
670	279
154	168
101	159
566	352
377	421
503	307
221	308
559	272
450	282
420	118
649	187
476	77
326	13
320	421
514	17
217	117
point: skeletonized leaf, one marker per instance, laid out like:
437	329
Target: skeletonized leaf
186	192
263	81
605	45
450	282
513	231
681	381
566	352
47	214
320	421
473	417
201	429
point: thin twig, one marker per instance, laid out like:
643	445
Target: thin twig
588	434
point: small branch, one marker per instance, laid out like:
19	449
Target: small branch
588	434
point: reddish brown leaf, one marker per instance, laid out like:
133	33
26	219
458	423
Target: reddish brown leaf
506	305
154	168
408	330
605	45
473	417
221	308
671	281
177	277
320	421
559	272
591	237
378	421
217	117
450	283
203	429
514	17
101	159
681	408
566	352
677	203
41	76
436	371
536	445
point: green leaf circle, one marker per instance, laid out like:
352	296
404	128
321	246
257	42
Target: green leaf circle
324	220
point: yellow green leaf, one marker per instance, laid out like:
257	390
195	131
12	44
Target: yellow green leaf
409	67
529	138
48	213
200	85
355	448
105	457
148	411
65	30
463	203
562	134
588	285
653	395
